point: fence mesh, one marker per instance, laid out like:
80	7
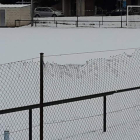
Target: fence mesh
17	124
19	84
36	124
66	121
19	87
80	120
95	76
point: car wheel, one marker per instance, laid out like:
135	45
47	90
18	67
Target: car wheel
54	15
37	15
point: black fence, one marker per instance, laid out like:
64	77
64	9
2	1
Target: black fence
74	23
50	101
78	23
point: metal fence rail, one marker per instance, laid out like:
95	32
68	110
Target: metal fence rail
65	101
58	102
74	23
77	23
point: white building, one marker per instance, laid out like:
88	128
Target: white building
10	13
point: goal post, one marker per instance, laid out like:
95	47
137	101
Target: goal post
133	16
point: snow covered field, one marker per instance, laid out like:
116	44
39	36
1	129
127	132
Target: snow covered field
23	43
75	121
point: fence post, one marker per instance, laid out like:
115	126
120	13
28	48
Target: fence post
121	19
35	23
102	17
30	124
56	23
6	135
77	22
99	24
32	14
54	19
104	113
41	95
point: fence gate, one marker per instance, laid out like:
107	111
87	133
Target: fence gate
2	17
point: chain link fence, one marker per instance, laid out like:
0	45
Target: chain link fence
19	84
80	100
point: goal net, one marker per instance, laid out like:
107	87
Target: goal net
133	16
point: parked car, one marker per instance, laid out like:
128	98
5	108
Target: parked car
47	12
117	12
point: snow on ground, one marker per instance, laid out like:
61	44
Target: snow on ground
22	43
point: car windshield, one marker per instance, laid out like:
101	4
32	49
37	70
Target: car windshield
53	9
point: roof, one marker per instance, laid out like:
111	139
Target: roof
13	5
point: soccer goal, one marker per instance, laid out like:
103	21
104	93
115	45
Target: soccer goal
133	16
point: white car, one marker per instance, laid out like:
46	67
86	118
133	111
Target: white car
47	12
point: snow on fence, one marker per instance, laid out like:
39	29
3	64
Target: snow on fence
71	101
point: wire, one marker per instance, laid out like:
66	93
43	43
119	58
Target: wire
64	121
21	61
88	132
71	54
92	52
71	136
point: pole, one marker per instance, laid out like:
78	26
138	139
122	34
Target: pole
41	96
56	23
32	13
77	22
127	16
104	113
121	13
30	124
102	17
